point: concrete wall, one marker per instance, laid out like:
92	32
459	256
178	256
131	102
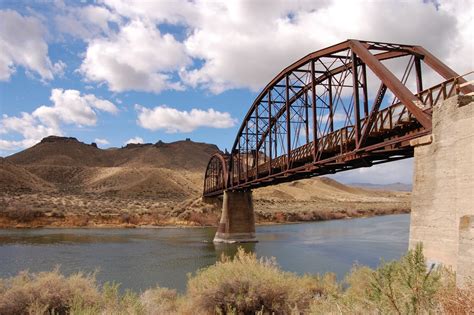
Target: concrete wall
443	186
465	267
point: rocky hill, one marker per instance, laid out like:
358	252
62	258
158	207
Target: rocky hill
160	170
62	151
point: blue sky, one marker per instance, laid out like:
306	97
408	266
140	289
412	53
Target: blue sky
113	70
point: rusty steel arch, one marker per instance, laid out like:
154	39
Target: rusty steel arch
339	108
216	177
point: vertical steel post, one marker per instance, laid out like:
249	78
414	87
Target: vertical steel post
276	137
288	121
270	131
364	90
239	164
331	120
419	79
315	120
247	151
256	141
355	83
306	116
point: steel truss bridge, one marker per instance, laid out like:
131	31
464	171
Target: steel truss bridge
354	104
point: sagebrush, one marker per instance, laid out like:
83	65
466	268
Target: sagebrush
246	284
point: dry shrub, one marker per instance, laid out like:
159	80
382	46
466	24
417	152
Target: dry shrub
46	292
353	300
159	301
247	285
202	219
114	303
23	215
455	300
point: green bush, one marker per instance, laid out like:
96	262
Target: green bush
406	286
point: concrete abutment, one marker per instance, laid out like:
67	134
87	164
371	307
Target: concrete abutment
442	216
237	224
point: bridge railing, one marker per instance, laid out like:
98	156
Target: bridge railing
439	92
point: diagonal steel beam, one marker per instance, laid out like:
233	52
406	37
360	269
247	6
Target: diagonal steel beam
391	81
438	66
373	115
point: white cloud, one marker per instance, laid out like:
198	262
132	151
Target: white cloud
172	120
134	140
68	107
28	126
101	141
234	44
260	47
138	58
85	22
22	43
174	12
243	44
462	45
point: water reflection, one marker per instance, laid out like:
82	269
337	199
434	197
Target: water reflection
142	258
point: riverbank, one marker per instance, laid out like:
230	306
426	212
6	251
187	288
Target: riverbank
68	211
62	182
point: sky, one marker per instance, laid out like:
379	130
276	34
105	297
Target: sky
118	71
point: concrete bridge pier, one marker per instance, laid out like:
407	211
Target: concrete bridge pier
237	224
442	215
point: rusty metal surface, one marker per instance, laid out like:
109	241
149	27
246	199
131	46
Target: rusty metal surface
354	104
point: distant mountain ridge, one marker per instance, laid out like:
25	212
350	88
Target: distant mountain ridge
393	186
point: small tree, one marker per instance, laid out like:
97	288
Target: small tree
406	286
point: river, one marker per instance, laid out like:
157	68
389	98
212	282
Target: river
141	258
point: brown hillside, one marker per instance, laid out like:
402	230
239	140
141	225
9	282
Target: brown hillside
322	189
15	178
170	171
187	155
